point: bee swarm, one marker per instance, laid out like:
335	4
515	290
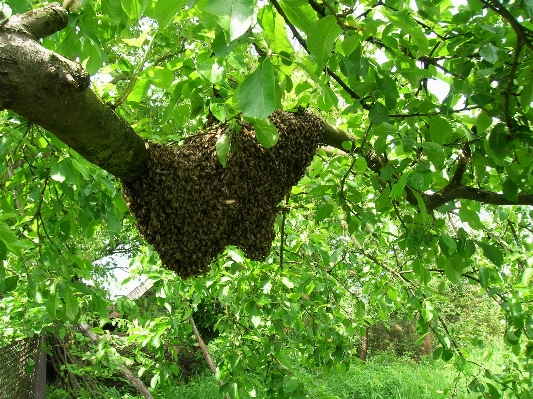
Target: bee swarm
189	207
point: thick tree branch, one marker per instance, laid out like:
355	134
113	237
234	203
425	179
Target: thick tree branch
471	193
53	92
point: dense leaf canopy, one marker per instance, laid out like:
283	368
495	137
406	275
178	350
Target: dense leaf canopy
429	197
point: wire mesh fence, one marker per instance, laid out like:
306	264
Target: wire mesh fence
23	369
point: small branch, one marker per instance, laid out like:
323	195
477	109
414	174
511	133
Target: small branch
205	351
522	32
282	239
126	373
139	69
451	111
509	122
303	43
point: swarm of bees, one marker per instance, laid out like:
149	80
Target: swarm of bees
189	207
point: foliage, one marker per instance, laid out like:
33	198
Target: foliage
434	192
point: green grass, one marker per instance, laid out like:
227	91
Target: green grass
384	376
392	378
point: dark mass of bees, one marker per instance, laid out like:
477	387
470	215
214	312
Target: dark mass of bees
189	207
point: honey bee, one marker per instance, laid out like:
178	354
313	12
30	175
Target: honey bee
190	208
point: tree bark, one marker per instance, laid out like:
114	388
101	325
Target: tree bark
53	92
364	346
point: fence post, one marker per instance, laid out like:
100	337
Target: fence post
38	378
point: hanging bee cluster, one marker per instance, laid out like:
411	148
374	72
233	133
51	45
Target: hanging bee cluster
189	207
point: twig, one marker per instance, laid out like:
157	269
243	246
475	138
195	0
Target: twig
205	351
521	32
508	120
122	369
283	220
132	82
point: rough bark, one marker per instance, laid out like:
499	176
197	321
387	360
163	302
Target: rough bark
53	92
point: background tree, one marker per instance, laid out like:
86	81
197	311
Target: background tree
433	188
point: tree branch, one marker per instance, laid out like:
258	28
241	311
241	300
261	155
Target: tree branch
126	373
205	351
471	193
303	43
522	32
53	92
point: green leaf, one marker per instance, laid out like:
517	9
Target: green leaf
322	38
3	251
300	13
11	241
134	8
52	303
383	202
398	188
440	130
387	86
265	132
211	70
113	10
234	16
489	53
222	147
422	207
510	190
449	242
137	41
140	90
165	10
287	283
71	303
450	271
378	114
291	383
323	212
527	275
360	164
257	94
434	153
70	47
274	31
10	284
255	314
359	309
471	217
491	252
159	76
526	95
410	27
483	122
